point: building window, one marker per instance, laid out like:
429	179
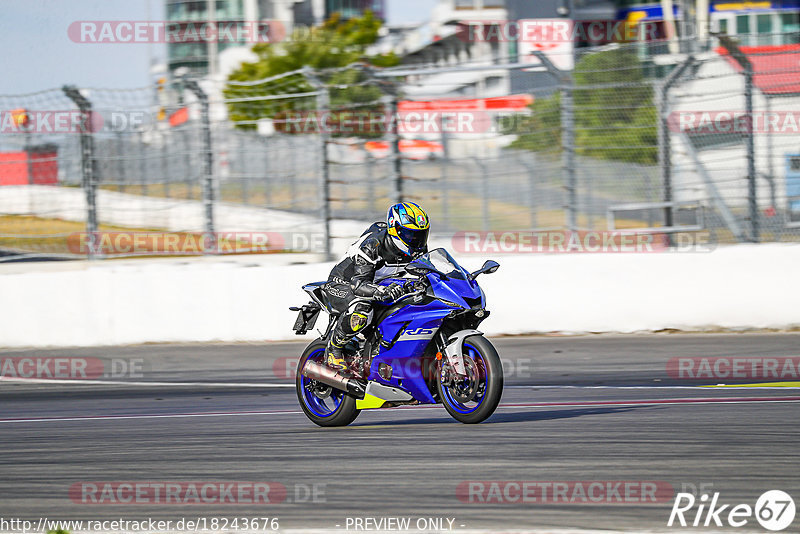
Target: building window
493	82
790	28
764	23
348	9
743	29
764	29
196	11
513	51
723	25
183	51
743	24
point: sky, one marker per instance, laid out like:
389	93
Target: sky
37	53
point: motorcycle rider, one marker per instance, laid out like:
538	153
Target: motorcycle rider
382	250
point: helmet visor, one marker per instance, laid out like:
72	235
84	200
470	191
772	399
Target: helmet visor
414	239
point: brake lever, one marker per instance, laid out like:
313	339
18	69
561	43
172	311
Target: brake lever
412	294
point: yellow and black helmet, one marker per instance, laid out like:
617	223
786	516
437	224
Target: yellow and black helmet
408	227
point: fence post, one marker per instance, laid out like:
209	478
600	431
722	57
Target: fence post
295	174
119	152
210	241
323	105
244	178
568	151
268	173
88	165
741	58
166	167
443	176
566	87
142	155
370	183
29	154
390	101
532	196
484	193
187	161
751	154
396	170
665	139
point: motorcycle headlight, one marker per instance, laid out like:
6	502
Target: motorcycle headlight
452	304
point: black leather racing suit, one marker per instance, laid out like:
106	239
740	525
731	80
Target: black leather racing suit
372	257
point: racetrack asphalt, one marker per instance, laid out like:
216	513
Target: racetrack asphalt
584	408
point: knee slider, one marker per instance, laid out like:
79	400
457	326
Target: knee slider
360	316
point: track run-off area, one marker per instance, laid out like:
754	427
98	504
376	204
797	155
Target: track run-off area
593	432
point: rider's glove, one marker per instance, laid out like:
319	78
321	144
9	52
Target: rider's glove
391	292
410	286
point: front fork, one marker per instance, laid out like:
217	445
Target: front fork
452	351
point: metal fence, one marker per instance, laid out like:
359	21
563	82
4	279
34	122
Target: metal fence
629	139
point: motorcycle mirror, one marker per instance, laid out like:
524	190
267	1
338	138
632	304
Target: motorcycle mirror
489	266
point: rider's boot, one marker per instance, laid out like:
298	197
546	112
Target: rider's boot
333	352
348	325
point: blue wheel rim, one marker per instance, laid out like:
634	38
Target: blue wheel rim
316	405
467	408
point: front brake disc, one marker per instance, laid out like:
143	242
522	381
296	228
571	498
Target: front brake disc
465	390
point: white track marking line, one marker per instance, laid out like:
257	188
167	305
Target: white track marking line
547	405
143	416
712	386
460	530
78	382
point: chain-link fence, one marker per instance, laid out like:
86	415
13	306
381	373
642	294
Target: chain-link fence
631	139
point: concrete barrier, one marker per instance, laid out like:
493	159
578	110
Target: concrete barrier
110	303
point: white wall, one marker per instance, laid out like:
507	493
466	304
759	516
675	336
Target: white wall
742	286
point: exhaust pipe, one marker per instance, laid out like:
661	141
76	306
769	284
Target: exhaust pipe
329	377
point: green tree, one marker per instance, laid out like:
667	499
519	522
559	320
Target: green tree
541	131
615	111
334	44
615	117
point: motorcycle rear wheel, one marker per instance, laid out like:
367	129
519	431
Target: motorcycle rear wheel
324	406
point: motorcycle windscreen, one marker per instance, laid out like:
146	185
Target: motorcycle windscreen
466	293
440	260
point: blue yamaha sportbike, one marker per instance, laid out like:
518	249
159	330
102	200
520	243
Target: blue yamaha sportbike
422	348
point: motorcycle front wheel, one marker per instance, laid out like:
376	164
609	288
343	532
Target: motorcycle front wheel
323	405
474	398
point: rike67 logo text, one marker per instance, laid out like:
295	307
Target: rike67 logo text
774	510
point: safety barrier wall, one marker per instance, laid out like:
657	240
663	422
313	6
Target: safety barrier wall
203	300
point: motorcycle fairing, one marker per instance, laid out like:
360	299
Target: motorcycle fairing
412	328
